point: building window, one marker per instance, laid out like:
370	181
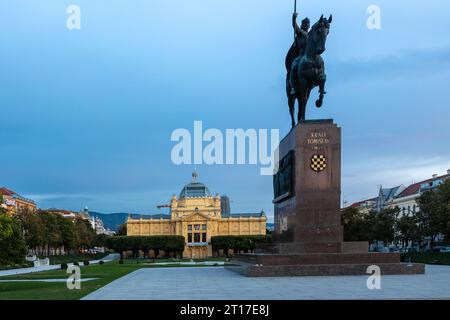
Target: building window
195	234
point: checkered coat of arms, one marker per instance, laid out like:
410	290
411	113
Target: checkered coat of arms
318	162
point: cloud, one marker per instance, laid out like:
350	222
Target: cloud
362	179
403	64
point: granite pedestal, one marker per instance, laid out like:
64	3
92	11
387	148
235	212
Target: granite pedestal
308	236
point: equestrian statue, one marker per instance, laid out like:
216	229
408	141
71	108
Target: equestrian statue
304	64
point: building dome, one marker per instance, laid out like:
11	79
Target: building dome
195	190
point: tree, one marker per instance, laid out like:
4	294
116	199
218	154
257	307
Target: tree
2	210
122	231
12	245
136	243
444	192
85	235
237	243
447	232
407	229
118	244
100	240
6	228
33	230
373	226
434	214
355	225
67	232
383	225
52	234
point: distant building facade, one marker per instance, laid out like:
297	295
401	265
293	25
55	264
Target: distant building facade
405	198
225	204
62	212
99	227
96	223
197	216
13	202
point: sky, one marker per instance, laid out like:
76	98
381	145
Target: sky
87	115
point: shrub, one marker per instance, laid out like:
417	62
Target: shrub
86	262
64	266
168	244
101	262
245	242
121	261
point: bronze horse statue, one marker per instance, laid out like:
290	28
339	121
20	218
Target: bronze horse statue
308	70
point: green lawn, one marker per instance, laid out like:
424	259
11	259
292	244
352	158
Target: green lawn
74	258
106	273
58	291
25	264
58	259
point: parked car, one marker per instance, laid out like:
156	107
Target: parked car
445	250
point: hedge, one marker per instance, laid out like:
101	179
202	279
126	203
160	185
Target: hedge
245	242
146	243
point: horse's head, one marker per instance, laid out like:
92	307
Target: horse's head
319	32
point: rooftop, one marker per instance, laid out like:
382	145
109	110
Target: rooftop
359	203
195	189
244	215
7	192
418	186
150	216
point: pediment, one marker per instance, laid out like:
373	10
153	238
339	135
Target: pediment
196	216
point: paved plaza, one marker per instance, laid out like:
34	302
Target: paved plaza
218	283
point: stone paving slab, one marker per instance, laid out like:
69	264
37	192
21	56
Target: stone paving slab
218	283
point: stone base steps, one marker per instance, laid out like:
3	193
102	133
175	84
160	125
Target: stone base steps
251	270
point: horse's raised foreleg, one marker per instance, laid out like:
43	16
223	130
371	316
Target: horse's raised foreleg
322	92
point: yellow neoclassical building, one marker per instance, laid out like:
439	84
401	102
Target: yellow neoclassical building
197	216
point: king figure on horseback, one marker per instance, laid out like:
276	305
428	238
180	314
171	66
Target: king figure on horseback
305	66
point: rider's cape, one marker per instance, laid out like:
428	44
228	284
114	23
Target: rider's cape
291	55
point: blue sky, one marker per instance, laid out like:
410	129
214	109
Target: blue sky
87	114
